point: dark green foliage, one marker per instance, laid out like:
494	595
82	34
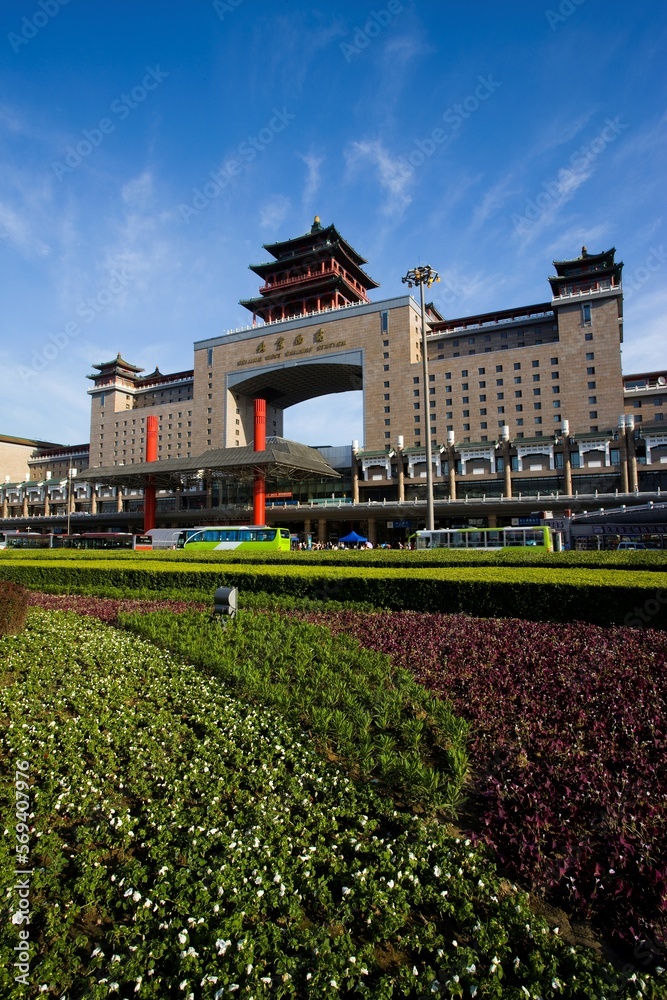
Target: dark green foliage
600	596
371	716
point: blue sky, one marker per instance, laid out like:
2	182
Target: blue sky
484	139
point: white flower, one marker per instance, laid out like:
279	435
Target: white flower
183	985
182	938
222	946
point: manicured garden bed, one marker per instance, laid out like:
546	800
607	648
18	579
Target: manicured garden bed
569	740
182	842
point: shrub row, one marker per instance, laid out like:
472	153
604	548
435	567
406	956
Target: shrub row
634	560
601	597
13	608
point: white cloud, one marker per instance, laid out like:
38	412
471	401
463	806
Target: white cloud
138	192
274	212
17	231
312	184
394	173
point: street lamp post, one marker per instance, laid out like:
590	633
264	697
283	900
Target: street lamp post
71	472
425	276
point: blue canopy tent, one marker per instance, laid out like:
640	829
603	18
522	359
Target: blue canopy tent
353	538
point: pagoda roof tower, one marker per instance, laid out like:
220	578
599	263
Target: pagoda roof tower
316	271
589	272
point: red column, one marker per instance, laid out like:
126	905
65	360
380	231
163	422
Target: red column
149	488
259	486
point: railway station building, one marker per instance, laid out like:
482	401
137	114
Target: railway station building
526	401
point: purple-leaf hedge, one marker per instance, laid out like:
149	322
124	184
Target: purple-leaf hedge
569	743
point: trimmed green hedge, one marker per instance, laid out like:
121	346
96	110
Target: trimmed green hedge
650	560
604	597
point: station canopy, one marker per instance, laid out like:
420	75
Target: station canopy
280	460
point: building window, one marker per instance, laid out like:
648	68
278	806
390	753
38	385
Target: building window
517	380
499	368
556	404
415	380
501	409
588	336
386	395
384	322
586	314
466	413
482	412
385	354
481	371
517	366
499	381
536	364
464	373
593	414
519	407
449	415
466	427
464	386
448	374
465	399
387	409
538	420
482	397
415	392
536	378
209	356
554	361
590	371
385	368
518	393
591	385
592	400
387	423
537	392
482	385
415	406
537	406
386	385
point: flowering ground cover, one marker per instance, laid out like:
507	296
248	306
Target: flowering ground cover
569	739
181	842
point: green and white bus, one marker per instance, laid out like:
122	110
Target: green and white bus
231	538
539	537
